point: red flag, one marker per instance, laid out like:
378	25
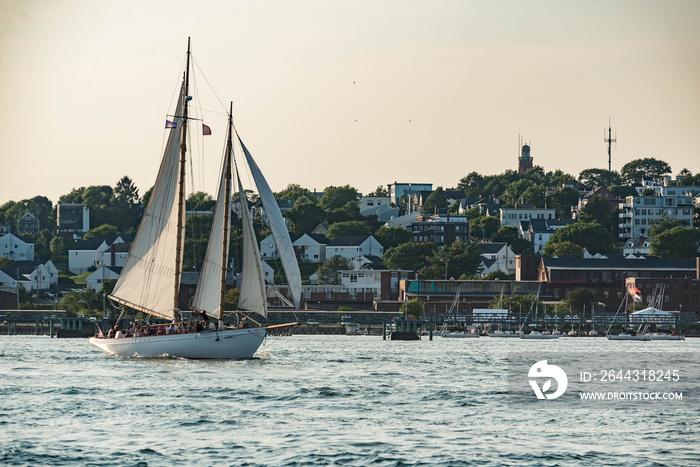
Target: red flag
206	131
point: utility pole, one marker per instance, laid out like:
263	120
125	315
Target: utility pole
609	139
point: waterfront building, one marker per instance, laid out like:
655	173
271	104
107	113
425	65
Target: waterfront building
636	212
667	293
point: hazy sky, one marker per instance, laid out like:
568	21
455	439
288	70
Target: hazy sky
355	92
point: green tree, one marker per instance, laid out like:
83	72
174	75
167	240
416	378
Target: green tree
412	308
435	203
515	190
379	191
634	171
562	200
231	299
496	275
200	201
580	299
591	178
351	228
305	216
679	242
589	235
484	227
390	237
329	271
562	249
105	230
294	191
408	256
85	301
56	249
349	212
516	303
337	197
597	209
454	260
5	262
509	234
664	223
472	185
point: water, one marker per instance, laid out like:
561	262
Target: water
318	400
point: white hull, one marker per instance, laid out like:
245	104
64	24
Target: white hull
502	334
665	337
229	344
459	335
627	337
539	336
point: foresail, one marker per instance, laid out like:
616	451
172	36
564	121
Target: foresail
147	279
278	228
252	295
207	295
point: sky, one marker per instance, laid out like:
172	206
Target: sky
356	92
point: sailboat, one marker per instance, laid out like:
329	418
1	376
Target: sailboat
150	279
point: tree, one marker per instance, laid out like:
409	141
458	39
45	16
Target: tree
472	184
349	212
231	299
678	242
379	191
5	262
589	235
516	303
638	169
484	227
105	230
200	201
390	237
56	247
496	275
516	189
581	299
597	209
337	197
351	228
435	203
509	234
329	271
664	223
454	260
408	256
305	216
412	308
591	178
294	191
562	201
562	249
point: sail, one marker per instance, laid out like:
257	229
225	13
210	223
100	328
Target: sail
278	228
207	296
252	288
147	280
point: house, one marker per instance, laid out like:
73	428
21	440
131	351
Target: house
30	275
398	190
374	205
606	276
596	191
87	254
513	216
72	220
497	256
15	248
636	212
310	248
268	247
366	288
96	280
540	230
28	224
443	230
352	247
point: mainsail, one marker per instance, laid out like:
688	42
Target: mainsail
252	295
278	228
146	281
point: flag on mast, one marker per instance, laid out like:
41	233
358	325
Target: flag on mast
206	131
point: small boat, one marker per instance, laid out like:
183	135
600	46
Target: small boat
628	337
503	334
150	279
459	335
538	335
660	336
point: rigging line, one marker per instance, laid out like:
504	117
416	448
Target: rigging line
209	84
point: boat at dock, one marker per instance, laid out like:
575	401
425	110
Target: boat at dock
150	279
538	335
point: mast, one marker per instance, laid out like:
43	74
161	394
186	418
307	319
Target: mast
227	211
181	197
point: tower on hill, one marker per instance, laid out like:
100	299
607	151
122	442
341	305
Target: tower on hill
524	161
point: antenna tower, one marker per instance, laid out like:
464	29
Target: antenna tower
609	139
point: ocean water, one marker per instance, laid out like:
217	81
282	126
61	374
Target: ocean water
320	400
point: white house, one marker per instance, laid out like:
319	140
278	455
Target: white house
310	248
268	247
90	253
513	216
353	246
497	256
103	273
374	205
15	248
31	277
